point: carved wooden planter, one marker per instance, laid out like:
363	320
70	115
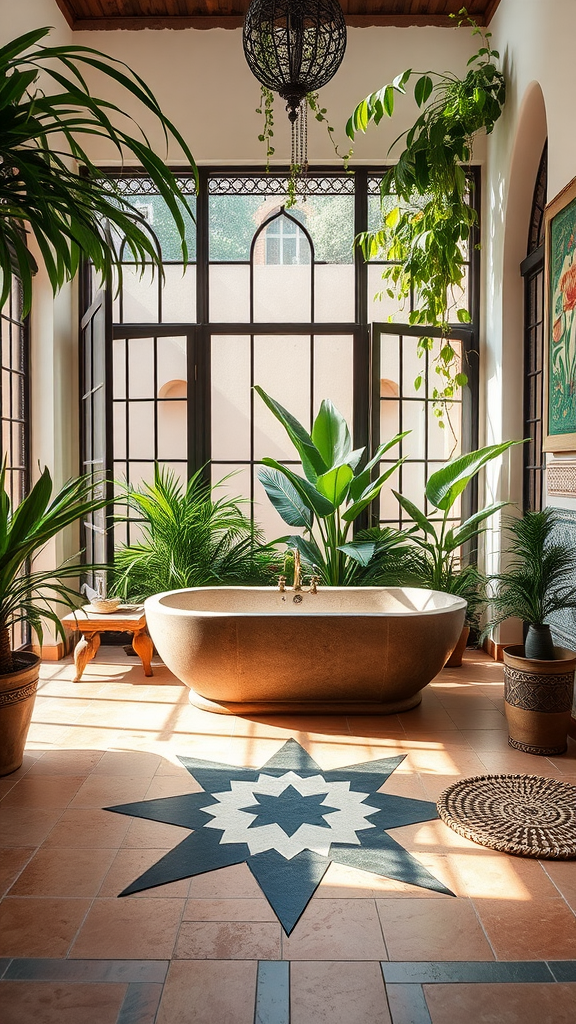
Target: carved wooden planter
538	700
17	695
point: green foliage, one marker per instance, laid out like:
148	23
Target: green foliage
330	497
267	109
539	578
440	542
426	214
189	539
41	141
28	596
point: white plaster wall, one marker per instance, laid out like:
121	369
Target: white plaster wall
203	83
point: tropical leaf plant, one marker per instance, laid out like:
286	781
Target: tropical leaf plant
440	541
43	138
427	217
27	595
189	539
540	576
336	488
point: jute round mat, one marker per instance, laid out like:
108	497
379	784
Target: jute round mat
522	814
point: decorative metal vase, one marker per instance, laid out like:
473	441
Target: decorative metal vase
538	700
17	696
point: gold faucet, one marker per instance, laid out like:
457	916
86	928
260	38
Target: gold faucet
297	584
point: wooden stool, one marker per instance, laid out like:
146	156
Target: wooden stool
91	624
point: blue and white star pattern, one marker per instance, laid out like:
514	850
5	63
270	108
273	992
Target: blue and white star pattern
288	821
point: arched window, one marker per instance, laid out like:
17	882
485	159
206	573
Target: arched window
532	269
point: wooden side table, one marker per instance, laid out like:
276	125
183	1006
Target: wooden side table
91	624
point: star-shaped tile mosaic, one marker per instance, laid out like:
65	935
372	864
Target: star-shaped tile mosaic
287	821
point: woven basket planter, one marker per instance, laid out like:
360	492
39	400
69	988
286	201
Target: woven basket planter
538	700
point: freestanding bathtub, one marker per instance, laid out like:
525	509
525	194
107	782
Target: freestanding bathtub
348	650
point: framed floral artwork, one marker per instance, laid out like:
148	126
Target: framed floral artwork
560	322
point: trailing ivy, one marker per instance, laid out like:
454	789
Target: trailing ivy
297	171
426	214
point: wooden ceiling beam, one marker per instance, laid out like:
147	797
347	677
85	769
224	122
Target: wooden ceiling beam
68	12
236	21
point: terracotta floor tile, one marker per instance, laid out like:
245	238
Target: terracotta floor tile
43	791
516	762
529	929
171	785
228	910
153	835
337	993
129	864
563	874
39	927
66	762
26	826
29	759
233	940
12	861
129	929
45	1002
107	790
236	882
486	739
492	875
127	762
501	1004
477	719
89	828
376	725
58	872
342	882
336	929
194	993
424	929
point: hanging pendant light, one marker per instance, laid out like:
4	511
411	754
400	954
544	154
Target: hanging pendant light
294	47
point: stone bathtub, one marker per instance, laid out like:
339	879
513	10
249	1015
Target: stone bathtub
344	650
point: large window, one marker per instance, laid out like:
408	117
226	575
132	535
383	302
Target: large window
14	408
533	272
275	296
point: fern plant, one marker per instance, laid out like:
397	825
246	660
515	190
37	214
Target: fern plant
190	539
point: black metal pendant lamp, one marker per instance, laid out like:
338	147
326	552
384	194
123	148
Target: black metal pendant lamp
294	47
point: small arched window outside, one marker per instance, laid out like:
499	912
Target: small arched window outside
285	243
532	269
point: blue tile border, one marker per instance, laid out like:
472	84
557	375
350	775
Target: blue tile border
450	972
408	1004
91	971
140	1004
563	970
273	992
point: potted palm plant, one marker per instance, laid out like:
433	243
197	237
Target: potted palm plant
28	596
538	676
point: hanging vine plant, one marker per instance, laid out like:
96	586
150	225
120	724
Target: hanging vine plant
426	214
298	163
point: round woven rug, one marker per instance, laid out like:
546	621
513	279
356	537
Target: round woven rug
522	814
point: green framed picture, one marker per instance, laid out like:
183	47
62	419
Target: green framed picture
560	323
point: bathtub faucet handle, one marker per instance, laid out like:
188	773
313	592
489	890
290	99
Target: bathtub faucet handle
314	581
281	584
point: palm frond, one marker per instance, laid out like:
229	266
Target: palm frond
42	134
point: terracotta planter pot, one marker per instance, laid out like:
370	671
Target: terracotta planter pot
538	700
17	695
455	659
